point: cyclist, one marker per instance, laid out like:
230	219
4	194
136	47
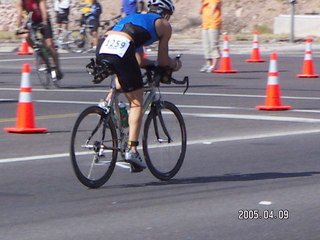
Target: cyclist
93	18
91	11
122	46
62	9
40	16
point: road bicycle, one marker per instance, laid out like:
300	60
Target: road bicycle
99	134
79	40
61	39
45	67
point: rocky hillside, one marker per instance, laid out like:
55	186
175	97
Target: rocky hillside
239	16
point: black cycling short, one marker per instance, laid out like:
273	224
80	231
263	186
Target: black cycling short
94	22
95	25
62	16
46	31
126	68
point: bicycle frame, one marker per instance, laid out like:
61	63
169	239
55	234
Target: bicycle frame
111	107
152	101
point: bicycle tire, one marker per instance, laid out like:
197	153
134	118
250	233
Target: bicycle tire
164	157
94	147
60	38
43	69
77	41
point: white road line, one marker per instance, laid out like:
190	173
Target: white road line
32	58
179	106
267	203
213	115
193	142
70	102
167	93
253	117
57	90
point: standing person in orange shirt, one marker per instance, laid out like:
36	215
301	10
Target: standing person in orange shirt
211	26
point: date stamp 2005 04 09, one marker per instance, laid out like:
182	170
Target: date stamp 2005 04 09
253	214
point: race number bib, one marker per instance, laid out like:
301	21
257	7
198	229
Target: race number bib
115	44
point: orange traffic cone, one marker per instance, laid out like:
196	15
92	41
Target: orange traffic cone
255	54
25	114
308	70
225	65
24	48
273	101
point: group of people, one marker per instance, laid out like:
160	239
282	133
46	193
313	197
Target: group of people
132	32
91	11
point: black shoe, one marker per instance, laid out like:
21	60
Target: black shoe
56	74
134	168
59	74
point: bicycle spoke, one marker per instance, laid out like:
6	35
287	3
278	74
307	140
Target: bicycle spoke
164	141
93	147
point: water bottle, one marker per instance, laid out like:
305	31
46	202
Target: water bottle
123	114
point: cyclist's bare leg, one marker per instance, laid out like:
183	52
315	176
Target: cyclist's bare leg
61	25
118	86
54	54
64	25
28	39
135	99
215	62
94	38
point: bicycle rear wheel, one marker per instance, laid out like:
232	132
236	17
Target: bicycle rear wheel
164	140
43	69
94	147
77	41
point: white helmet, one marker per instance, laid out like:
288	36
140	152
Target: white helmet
162	4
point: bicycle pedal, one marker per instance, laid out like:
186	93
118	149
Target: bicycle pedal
102	163
42	67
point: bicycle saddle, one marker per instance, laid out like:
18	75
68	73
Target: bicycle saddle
99	69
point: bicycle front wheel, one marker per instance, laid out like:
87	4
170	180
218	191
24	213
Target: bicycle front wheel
164	140
94	147
77	41
43	69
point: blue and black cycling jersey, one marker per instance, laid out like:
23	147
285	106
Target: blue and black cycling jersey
95	12
140	27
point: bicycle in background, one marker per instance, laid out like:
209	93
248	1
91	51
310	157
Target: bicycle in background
100	132
61	40
79	40
44	64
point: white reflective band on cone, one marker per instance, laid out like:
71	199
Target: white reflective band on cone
308	56
225	54
273	66
25	97
272	80
25	80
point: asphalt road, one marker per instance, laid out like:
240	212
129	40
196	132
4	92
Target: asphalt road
241	163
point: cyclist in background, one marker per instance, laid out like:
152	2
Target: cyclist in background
122	47
40	16
85	10
85	6
62	9
93	18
